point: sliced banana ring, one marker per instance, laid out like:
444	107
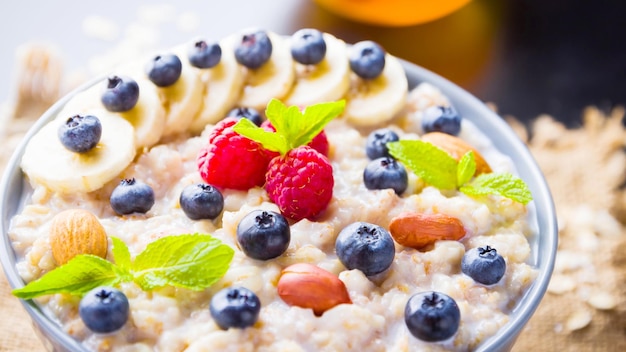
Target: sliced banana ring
147	117
272	80
48	162
374	102
327	81
182	100
223	85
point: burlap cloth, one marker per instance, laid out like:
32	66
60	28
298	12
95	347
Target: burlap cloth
584	309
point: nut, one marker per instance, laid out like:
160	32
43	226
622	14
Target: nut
308	286
457	147
418	230
75	232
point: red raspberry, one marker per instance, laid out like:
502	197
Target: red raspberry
319	142
300	183
230	160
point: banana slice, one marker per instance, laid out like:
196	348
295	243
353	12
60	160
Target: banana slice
373	102
46	161
223	84
272	80
327	81
147	117
182	100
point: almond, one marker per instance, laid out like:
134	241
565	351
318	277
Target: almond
457	147
75	232
308	286
418	230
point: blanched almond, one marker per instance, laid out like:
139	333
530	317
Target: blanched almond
457	147
418	230
75	232
308	286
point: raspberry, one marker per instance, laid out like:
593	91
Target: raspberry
300	183
319	142
230	160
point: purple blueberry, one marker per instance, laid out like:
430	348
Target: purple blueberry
254	49
376	144
432	316
132	196
366	247
121	94
308	46
201	201
441	119
235	307
248	113
80	133
385	172
204	55
483	264
263	234
367	59
164	70
104	310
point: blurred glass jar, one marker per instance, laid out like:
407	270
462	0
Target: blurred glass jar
394	13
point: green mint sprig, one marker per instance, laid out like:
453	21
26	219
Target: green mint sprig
437	168
191	261
293	127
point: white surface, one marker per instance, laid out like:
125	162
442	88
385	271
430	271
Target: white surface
154	24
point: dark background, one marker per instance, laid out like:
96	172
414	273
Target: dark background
529	57
559	56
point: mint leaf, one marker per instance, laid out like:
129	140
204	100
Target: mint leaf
191	261
293	127
269	140
466	169
121	255
280	115
315	118
437	168
428	162
503	184
81	274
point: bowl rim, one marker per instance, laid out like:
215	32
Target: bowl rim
486	120
546	239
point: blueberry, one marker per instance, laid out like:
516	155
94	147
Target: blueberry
201	201
249	113
376	144
263	234
164	70
385	172
80	133
432	316
235	307
121	94
367	59
104	309
366	247
132	196
441	119
204	55
308	46
254	49
484	265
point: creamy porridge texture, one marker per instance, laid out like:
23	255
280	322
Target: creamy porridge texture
170	126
